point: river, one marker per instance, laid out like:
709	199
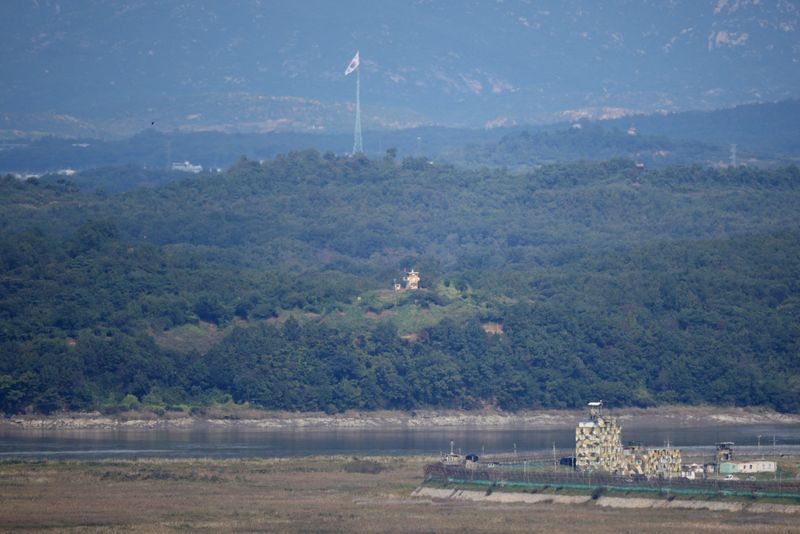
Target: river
258	443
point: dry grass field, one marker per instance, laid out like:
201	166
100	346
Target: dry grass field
318	494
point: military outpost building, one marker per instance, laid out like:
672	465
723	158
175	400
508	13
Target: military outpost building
598	447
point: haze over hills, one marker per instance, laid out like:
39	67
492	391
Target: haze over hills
765	133
101	69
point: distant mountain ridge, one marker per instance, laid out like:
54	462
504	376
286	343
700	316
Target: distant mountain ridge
95	68
765	134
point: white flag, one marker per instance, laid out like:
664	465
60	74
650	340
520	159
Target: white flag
353	65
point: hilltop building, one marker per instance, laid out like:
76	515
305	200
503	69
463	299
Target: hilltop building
411	279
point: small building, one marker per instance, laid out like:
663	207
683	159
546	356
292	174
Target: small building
451	458
187	166
693	471
748	467
725	452
412	280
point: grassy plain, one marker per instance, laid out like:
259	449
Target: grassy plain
314	494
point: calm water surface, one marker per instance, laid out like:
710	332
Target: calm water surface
250	443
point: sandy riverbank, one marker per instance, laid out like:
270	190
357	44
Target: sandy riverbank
688	416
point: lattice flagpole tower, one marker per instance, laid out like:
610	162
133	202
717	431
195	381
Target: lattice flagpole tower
358	145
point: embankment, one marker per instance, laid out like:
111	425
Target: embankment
603	501
688	416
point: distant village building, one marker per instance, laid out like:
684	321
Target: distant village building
187	166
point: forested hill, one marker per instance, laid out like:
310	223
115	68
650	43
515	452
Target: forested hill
586	140
269	284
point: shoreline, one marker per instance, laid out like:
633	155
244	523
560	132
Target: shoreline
685	416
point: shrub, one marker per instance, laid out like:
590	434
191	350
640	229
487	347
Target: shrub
369	467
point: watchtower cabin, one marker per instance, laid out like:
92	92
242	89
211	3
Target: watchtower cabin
724	452
411	279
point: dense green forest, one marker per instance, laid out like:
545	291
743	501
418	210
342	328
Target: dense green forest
766	128
270	284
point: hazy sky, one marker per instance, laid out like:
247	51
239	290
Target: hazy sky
264	65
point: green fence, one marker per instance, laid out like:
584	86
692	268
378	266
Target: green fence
591	481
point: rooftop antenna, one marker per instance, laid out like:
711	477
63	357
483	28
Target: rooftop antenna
358	145
733	155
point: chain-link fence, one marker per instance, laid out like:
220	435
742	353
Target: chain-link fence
586	480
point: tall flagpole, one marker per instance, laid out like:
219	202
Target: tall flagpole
357	142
